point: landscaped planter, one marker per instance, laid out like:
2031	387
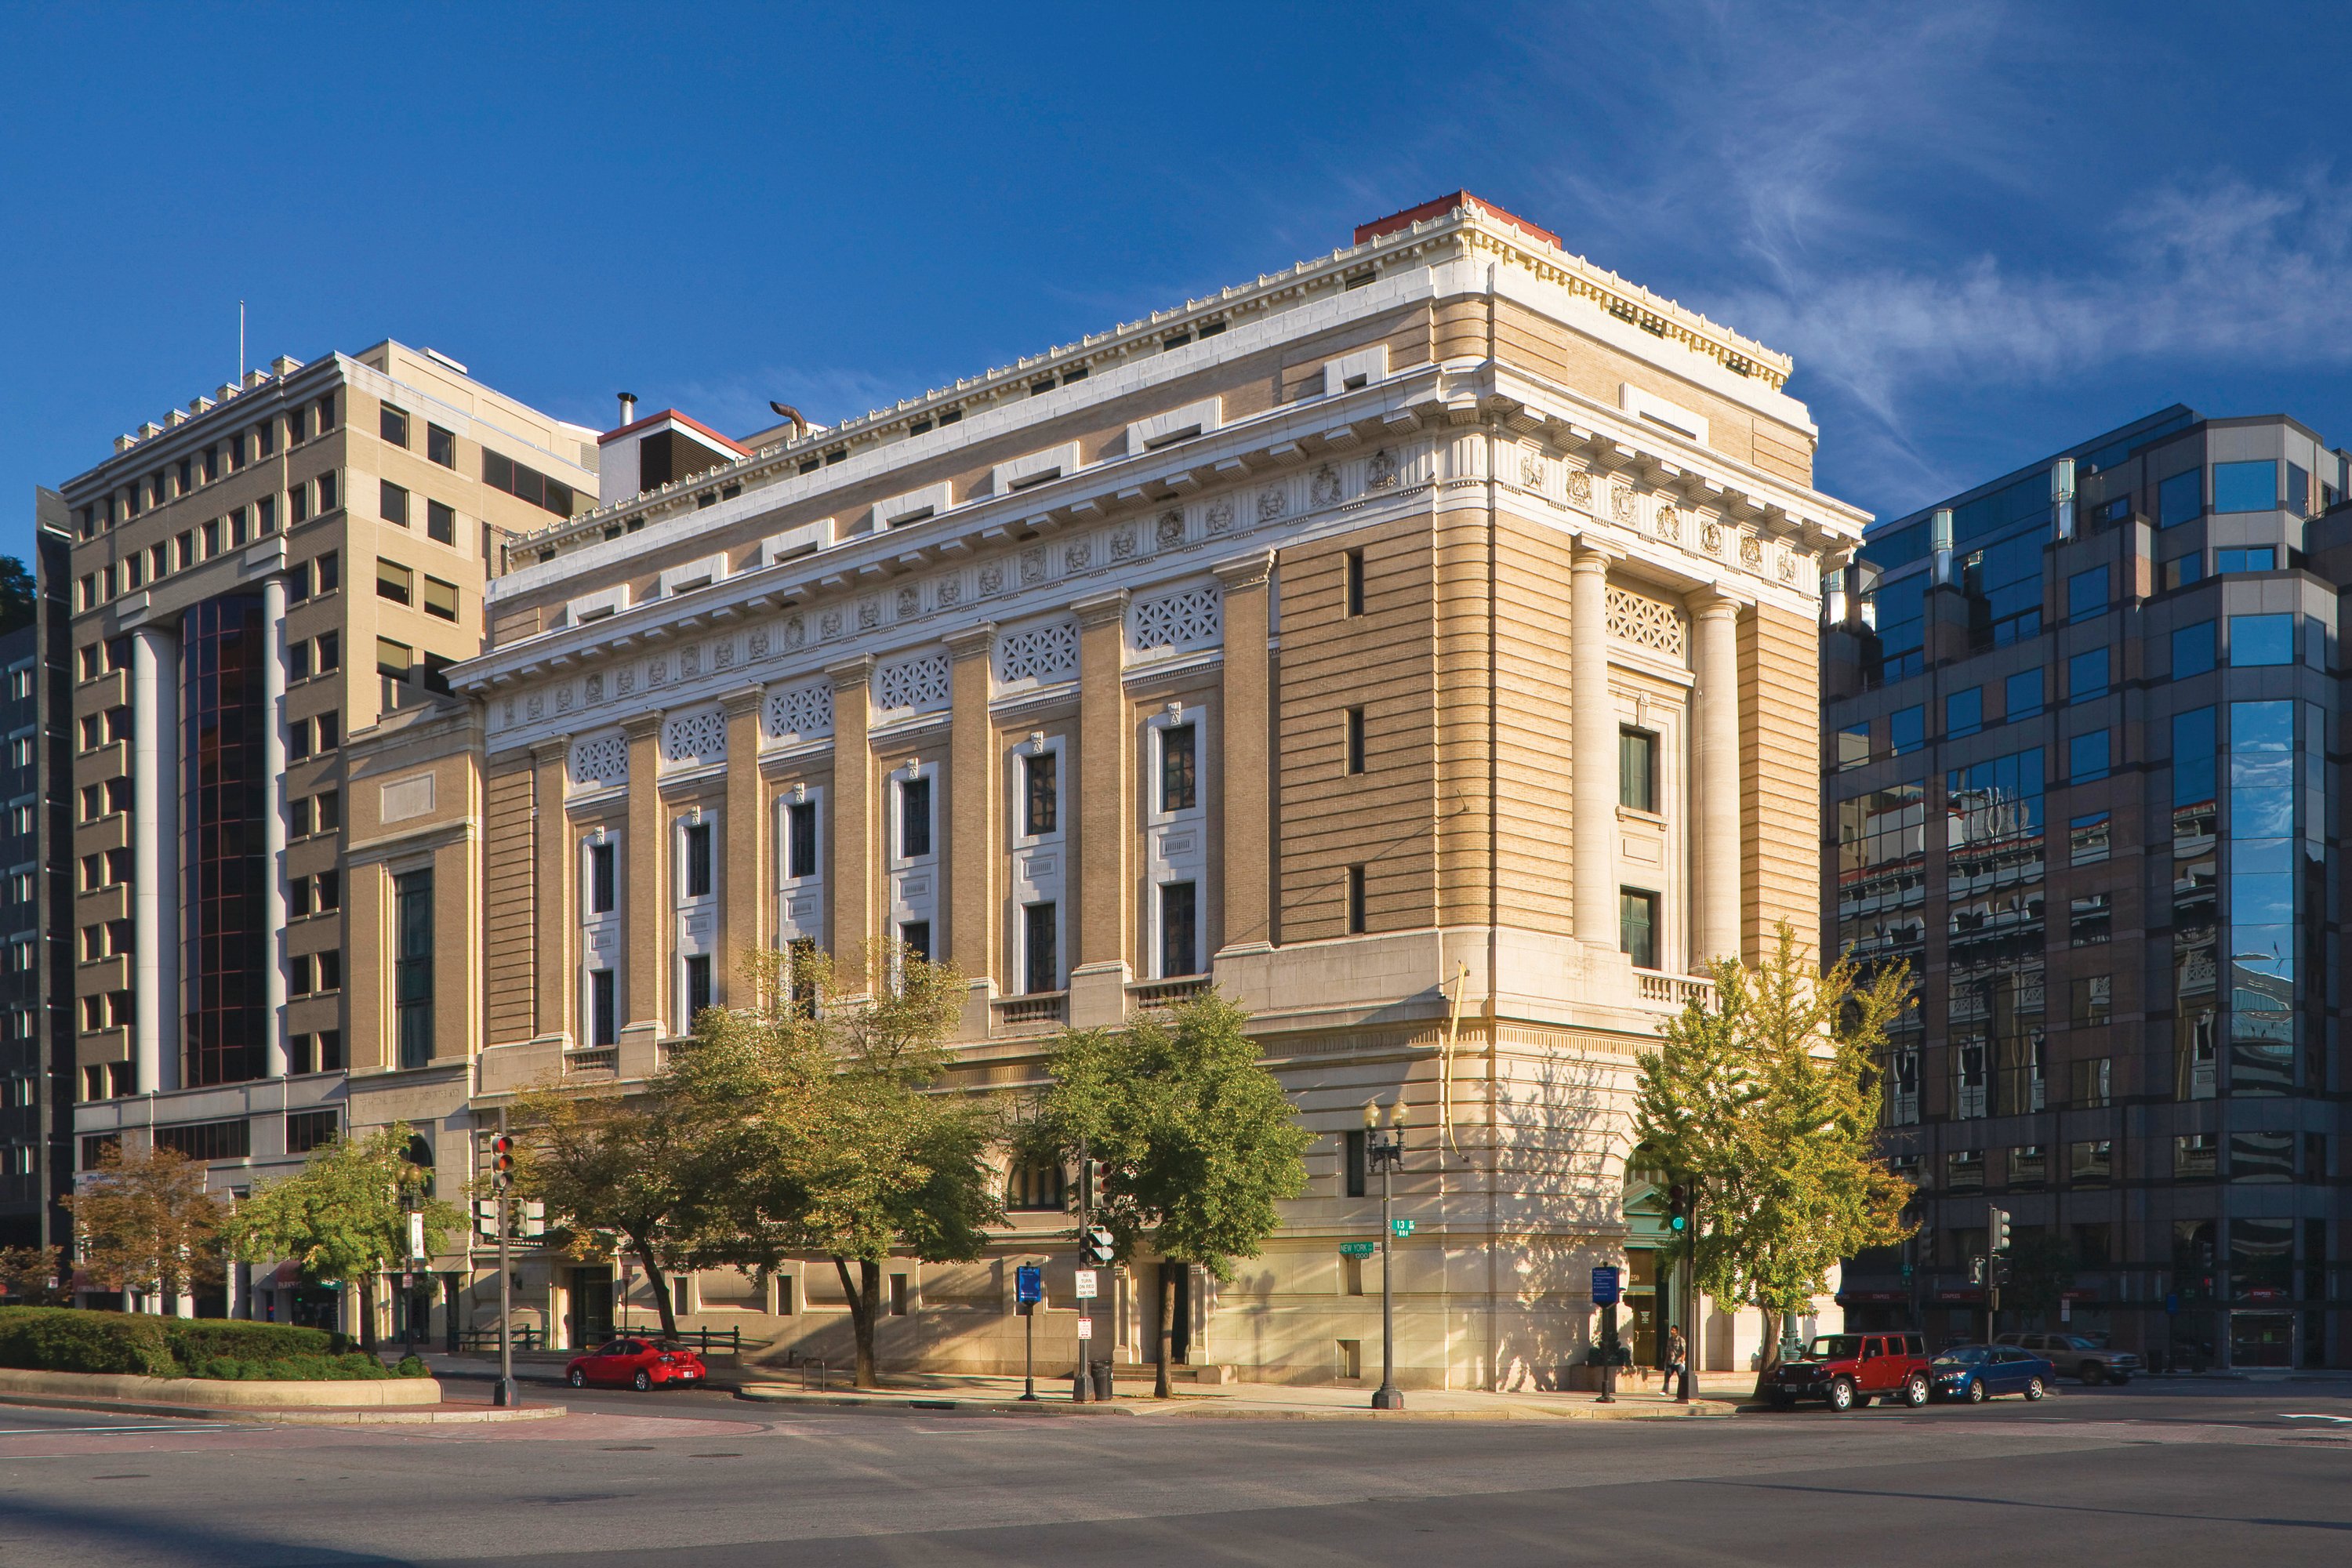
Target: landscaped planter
365	1393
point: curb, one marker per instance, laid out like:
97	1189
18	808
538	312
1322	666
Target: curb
1196	1407
938	1405
308	1417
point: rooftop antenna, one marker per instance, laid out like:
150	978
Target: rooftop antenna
240	340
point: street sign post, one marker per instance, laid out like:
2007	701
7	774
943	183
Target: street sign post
1400	1227
1607	1287
1086	1328
1356	1249
1029	1284
1085	1290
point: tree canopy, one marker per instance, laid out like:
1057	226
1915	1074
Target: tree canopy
1199	1143
147	1223
1763	1100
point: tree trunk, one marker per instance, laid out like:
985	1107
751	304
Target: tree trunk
367	1313
864	1307
660	1283
1771	1355
1167	1331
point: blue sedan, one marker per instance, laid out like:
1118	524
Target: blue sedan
1977	1373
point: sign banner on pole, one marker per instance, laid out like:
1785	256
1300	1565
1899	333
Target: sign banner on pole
1606	1286
1029	1283
1086	1328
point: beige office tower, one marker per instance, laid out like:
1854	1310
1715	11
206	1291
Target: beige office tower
263	583
1417	644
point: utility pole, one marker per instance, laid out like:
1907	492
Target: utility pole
1385	1148
1081	1388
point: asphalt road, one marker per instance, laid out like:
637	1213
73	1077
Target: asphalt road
2157	1472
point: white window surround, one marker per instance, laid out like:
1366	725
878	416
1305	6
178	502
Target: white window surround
696	917
1660	412
800	901
612	601
913	506
1361	368
1033	468
1176	842
601	934
794	542
694	574
1016	815
1176	424
914	879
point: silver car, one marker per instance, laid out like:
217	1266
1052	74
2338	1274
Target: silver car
2079	1356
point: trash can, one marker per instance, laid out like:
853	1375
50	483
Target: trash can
1102	1379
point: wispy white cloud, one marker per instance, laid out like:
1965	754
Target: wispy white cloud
1845	167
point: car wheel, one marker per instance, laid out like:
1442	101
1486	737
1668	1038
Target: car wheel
643	1381
1915	1391
2033	1389
579	1379
1841	1396
2092	1375
1978	1392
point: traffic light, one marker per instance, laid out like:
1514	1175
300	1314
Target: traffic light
502	1159
1095	1246
1996	1231
1090	1185
1976	1270
1678	1209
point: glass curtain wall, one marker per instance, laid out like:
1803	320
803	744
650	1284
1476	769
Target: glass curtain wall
1995	892
224	792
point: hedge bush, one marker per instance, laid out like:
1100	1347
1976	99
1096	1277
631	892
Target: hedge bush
75	1339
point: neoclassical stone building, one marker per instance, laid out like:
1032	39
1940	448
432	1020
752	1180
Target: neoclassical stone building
1418	643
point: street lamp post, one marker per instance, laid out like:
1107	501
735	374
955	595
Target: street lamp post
1384	1148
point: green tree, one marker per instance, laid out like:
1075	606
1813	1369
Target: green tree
343	1217
1763	1100
34	1277
842	1135
146	1223
625	1173
1198	1141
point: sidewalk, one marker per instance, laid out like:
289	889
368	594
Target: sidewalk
1245	1400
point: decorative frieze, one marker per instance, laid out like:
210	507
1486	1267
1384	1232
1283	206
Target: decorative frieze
917	685
1644	622
693	738
598	761
1176	623
1035	655
802	712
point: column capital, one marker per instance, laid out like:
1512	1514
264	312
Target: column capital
971	642
1249	571
1591	557
848	672
1713	603
1095	609
551	751
743	699
641	726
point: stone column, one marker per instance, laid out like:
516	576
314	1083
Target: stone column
644	908
976	787
1592	746
555	868
855	859
1245	874
273	823
155	856
747	869
1094	935
1714	752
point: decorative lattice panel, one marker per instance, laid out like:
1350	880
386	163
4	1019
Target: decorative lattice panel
1041	653
800	713
1645	622
600	760
698	737
1175	622
912	684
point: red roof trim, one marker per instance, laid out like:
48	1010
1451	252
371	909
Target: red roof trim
1396	221
696	426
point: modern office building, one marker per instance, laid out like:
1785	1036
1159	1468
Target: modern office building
1418	644
2082	739
257	579
36	1039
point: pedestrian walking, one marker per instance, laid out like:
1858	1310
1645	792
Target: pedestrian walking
1677	1352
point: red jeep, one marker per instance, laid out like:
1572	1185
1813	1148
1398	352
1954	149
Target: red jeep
1848	1371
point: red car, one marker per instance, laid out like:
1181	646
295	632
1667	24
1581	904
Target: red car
640	1364
1846	1371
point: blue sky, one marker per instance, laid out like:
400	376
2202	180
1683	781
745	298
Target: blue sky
1983	230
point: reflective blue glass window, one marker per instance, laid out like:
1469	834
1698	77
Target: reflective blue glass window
2087	757
2263	559
2245	487
2021	694
2087	594
1963	711
1898	611
2183	570
2298	490
2192	649
1907	730
2192	756
2181	499
2004	584
2086	675
2262	640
